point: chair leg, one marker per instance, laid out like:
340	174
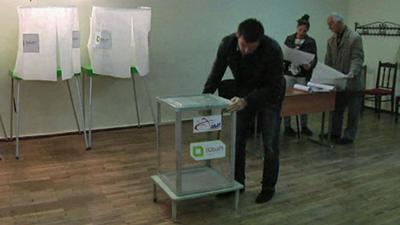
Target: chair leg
379	106
362	104
397	110
392	104
298	126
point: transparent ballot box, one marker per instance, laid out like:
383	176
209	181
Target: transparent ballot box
195	143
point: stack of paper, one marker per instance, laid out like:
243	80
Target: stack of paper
314	87
302	87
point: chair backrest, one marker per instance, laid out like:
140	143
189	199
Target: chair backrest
227	89
387	73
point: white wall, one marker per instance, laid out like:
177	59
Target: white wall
183	42
377	48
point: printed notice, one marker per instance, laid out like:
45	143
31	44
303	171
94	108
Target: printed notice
30	43
76	39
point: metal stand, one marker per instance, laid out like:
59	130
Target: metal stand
3	127
15	104
175	198
4	132
90	121
136	101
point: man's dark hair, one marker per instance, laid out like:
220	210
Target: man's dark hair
304	20
251	30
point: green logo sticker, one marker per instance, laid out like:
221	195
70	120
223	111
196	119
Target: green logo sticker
207	150
198	151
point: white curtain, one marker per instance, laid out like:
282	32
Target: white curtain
48	38
119	40
68	38
36	57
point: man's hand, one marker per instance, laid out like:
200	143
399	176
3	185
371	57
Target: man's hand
306	66
237	104
350	76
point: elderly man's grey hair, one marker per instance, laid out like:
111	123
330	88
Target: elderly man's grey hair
337	17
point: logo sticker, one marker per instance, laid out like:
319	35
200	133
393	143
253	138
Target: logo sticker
207	150
207	123
103	39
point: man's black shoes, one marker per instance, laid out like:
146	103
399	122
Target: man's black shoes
290	132
345	141
306	131
265	196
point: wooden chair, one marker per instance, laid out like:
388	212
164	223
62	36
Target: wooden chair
385	86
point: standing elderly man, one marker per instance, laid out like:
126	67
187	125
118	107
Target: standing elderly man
345	53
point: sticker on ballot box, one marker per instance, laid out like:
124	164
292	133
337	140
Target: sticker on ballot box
207	150
207	123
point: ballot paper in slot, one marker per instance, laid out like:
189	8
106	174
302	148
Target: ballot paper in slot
296	56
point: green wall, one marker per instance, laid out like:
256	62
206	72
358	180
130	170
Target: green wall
377	48
183	42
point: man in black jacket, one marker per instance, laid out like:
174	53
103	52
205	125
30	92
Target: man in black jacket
256	63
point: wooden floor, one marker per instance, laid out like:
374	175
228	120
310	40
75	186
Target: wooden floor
57	182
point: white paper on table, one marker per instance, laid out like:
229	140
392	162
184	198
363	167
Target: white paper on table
37	48
316	87
296	56
302	87
324	74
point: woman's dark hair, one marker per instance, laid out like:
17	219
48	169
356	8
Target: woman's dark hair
304	20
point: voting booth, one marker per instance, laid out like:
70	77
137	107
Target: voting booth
195	147
48	50
118	47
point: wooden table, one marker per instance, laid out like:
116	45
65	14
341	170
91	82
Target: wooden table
298	102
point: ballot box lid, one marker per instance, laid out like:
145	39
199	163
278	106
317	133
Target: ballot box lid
194	102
